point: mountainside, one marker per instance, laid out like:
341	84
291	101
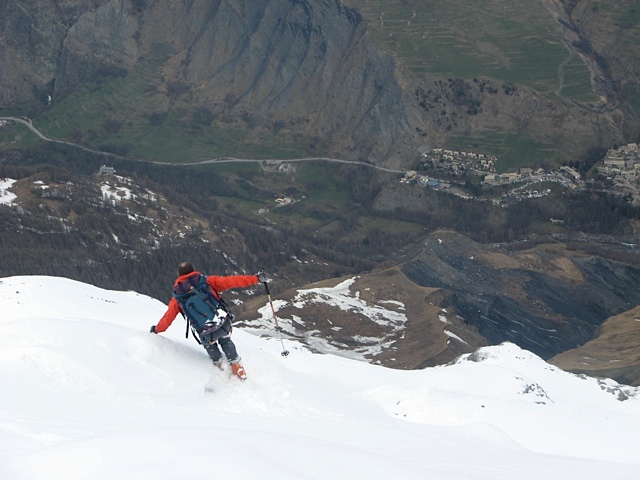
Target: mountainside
612	353
456	295
547	299
270	69
383	318
401	299
106	230
531	82
117	231
88	392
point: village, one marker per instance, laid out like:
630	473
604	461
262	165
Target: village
449	171
619	173
621	170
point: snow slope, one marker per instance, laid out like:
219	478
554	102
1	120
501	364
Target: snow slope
87	393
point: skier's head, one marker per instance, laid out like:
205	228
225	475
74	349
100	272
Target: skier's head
184	268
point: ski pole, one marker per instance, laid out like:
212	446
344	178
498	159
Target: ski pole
284	352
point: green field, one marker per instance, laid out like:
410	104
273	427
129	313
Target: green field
512	151
15	135
574	85
466	38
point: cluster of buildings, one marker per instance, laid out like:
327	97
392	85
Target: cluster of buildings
622	161
278	166
568	176
412	176
459	163
454	161
621	167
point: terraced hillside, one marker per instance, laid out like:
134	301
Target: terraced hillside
513	41
579	55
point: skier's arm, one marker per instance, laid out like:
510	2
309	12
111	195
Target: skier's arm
234	281
169	316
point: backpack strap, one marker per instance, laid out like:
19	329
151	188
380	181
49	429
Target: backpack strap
182	290
217	295
223	304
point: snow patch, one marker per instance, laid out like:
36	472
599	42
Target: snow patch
341	296
7	197
453	335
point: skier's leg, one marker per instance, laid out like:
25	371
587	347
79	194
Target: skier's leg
214	352
230	352
229	349
222	335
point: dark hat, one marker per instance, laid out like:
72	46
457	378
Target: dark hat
184	268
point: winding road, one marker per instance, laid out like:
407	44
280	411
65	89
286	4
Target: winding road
28	123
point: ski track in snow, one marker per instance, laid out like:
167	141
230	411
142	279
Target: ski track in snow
87	392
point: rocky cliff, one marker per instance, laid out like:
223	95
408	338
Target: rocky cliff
309	67
310	73
547	299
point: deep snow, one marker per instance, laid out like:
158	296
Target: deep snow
88	393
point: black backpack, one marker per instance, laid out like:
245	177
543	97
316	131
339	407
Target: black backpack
205	312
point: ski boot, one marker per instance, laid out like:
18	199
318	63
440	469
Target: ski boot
238	370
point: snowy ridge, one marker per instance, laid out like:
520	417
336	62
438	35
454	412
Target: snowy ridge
87	392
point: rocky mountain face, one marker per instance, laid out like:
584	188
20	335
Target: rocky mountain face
308	66
310	69
547	299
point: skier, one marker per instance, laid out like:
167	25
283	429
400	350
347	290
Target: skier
222	335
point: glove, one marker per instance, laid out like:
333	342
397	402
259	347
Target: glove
153	329
263	277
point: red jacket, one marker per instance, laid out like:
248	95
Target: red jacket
217	283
